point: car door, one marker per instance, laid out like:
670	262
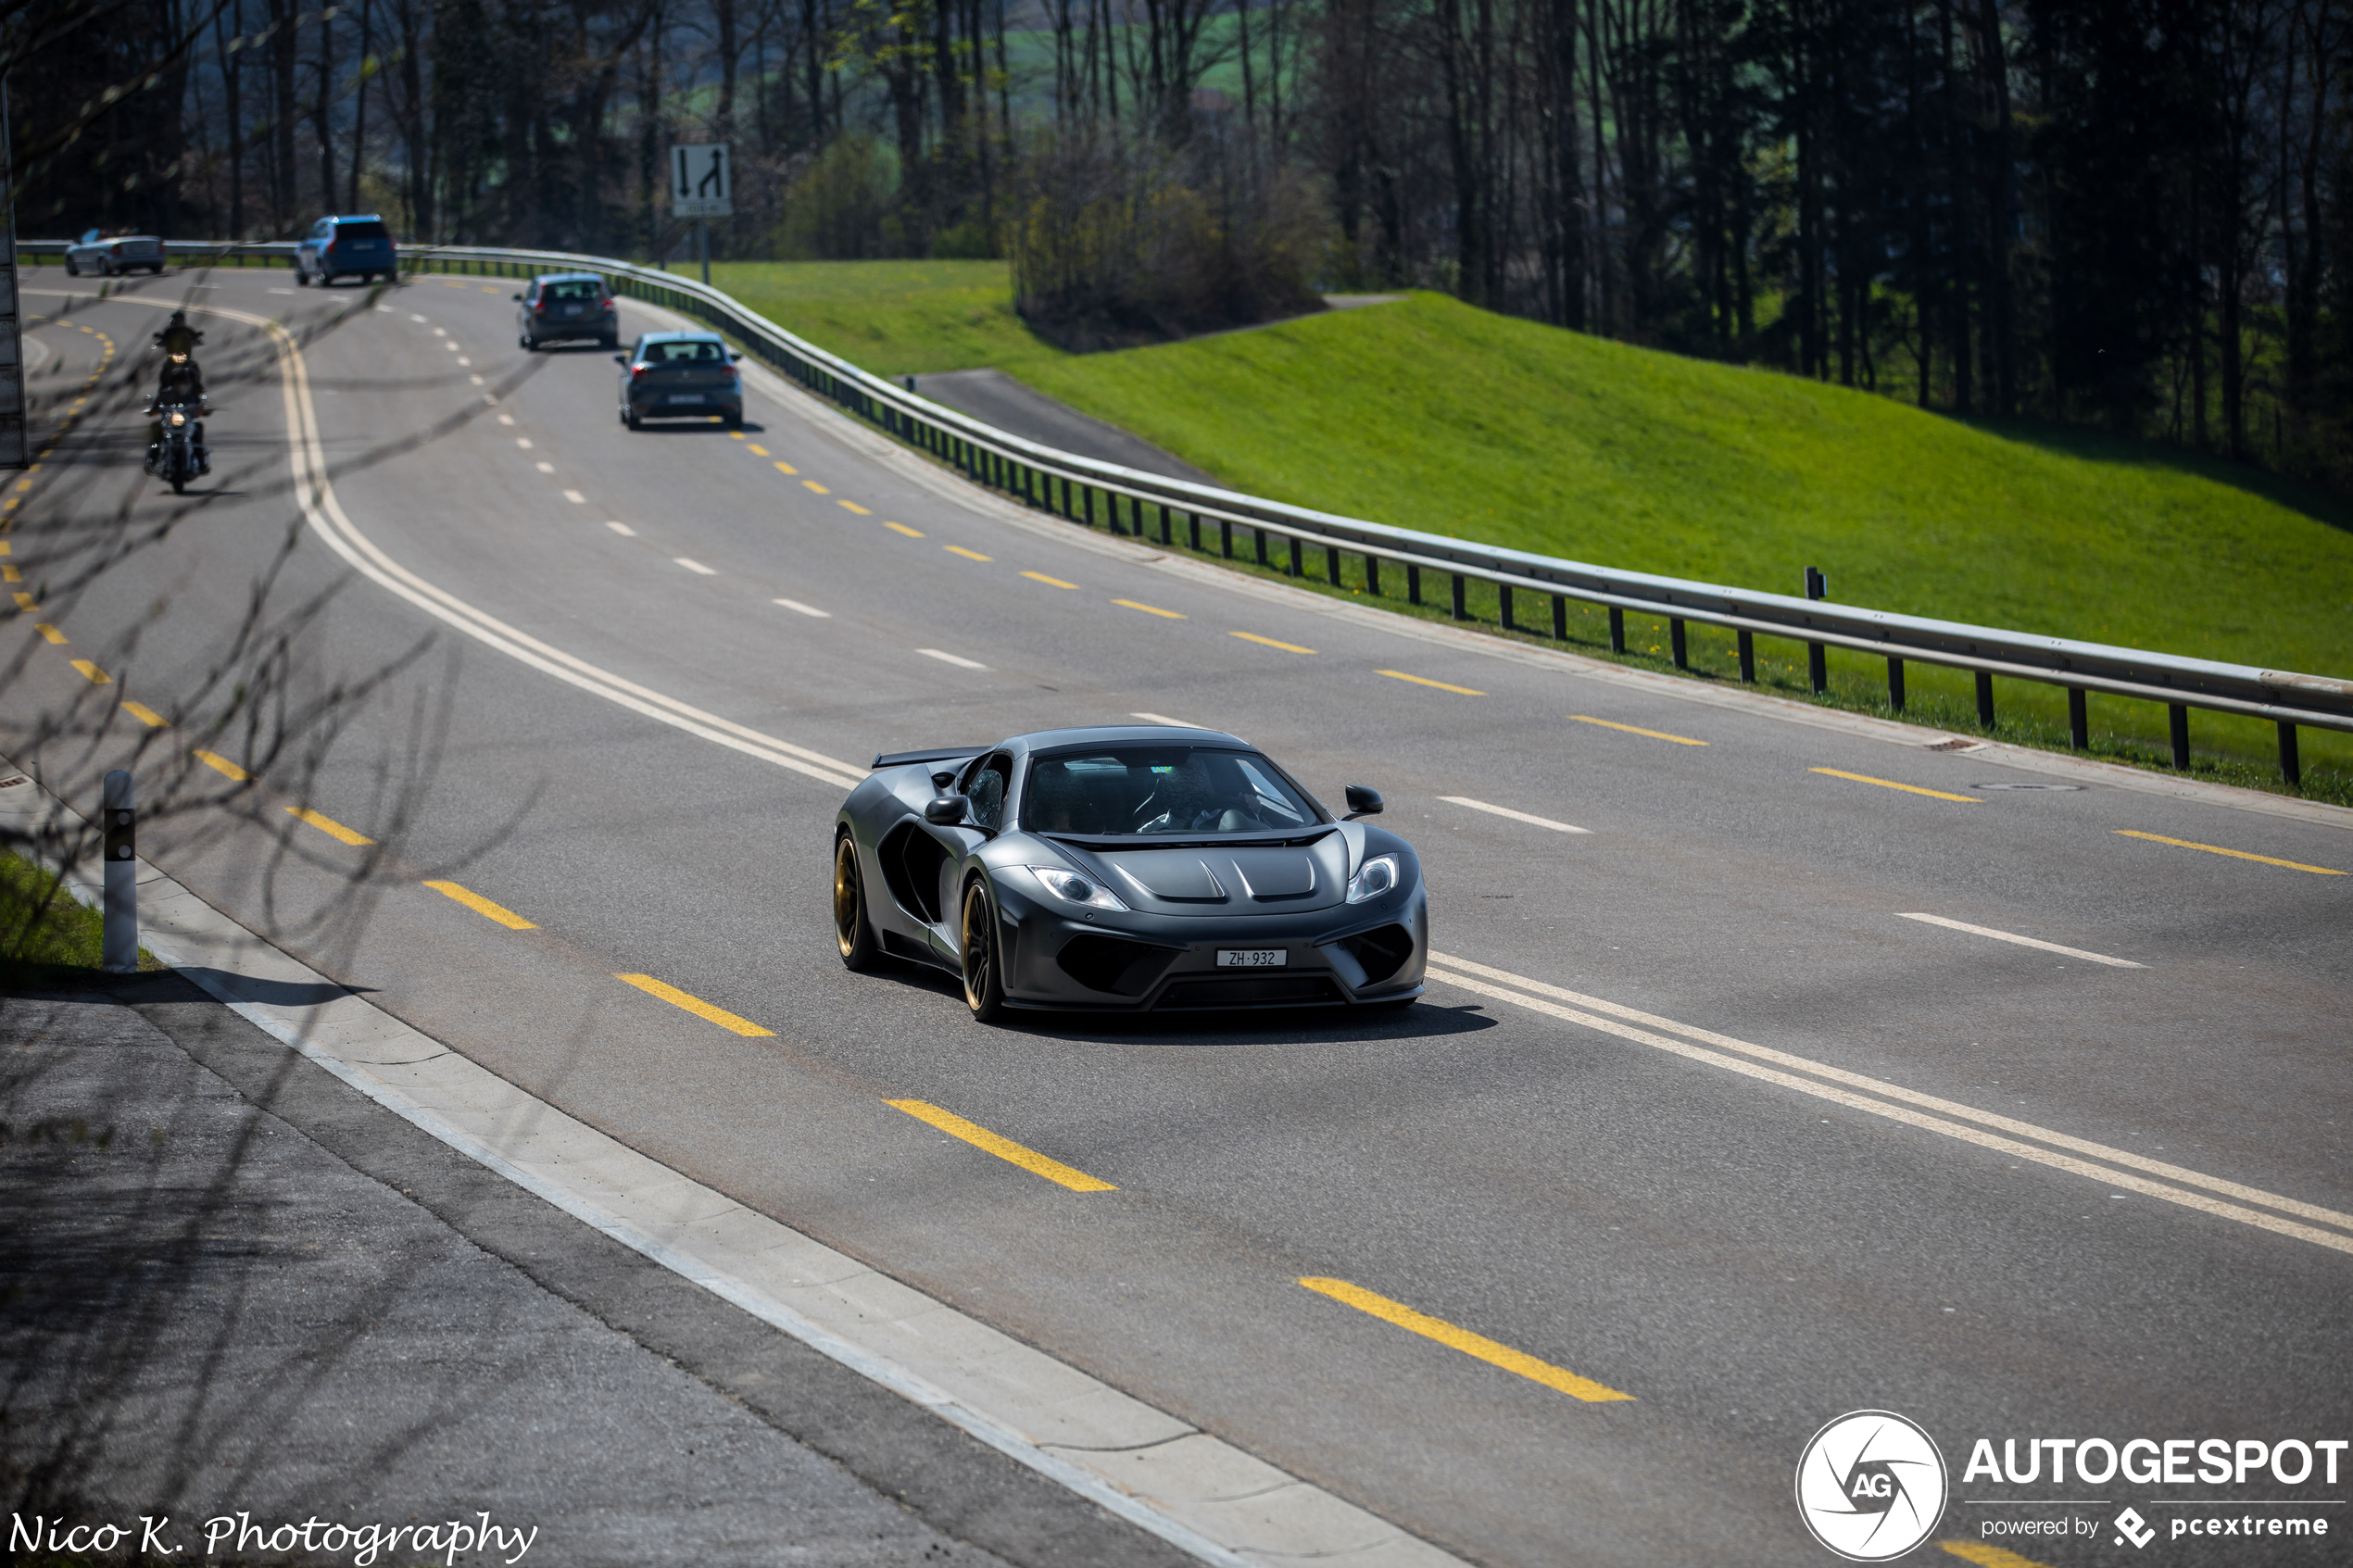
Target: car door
984	783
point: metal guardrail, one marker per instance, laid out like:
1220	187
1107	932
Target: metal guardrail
1073	486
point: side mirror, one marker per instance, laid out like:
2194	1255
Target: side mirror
1363	801
516	297
621	358
734	359
947	810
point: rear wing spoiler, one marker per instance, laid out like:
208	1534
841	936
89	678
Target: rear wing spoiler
903	759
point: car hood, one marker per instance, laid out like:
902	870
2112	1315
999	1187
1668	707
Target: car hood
1240	879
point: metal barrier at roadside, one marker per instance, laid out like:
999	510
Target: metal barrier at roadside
1075	487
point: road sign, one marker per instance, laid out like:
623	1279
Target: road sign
699	183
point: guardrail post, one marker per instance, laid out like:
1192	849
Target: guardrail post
1192	530
1372	575
2078	719
1413	583
1259	534
1560	616
2290	768
1224	536
1331	564
1460	614
1297	557
1818	668
1895	684
1504	598
1985	697
2178	721
1675	643
1616	629
1748	656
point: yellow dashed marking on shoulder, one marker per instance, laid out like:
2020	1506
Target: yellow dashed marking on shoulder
483	905
812	484
902	528
1151	610
145	714
95	676
1287	647
968	555
328	825
862	511
220	765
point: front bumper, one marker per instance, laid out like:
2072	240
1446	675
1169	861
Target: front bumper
1131	962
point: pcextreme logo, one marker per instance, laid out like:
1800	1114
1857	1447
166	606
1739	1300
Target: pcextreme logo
1871	1485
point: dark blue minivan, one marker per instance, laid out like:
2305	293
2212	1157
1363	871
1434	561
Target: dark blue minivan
358	245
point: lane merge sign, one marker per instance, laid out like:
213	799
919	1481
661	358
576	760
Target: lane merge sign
701	182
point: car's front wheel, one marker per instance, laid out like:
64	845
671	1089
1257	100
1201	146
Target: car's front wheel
984	976
853	933
71	270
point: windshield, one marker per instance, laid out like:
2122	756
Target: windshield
689	351
361	232
575	288
1150	790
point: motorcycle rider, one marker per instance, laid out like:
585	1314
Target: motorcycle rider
182	381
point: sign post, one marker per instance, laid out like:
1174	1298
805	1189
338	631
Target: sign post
701	187
15	437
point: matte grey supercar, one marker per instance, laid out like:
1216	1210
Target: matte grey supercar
1125	869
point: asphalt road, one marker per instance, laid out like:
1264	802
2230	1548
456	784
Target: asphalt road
1746	1257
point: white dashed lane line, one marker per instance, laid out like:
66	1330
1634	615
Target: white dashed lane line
807	610
622	529
694	566
2023	941
1514	816
957	660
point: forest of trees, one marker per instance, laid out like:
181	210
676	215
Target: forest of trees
2129	214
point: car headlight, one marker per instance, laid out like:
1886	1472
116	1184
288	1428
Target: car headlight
1072	888
179	419
1373	878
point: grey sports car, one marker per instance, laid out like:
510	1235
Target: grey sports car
1127	869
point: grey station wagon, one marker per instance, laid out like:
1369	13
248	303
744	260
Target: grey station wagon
680	375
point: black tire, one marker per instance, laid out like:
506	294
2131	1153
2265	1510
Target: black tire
72	271
608	342
632	420
302	278
179	487
734	420
853	933
523	341
984	972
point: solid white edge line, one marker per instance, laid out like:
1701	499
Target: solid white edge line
1897	1092
1912	1118
2023	941
1515	816
959	660
807	610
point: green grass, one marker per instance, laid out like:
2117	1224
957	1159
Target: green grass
1433	415
43	931
893	317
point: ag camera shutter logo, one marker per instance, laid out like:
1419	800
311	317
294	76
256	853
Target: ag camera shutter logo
1871	1485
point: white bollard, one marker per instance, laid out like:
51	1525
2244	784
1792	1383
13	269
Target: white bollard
121	952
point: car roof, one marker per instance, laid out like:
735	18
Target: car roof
567	277
1082	736
682	337
355	218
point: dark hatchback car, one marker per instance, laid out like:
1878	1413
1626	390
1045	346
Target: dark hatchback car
566	308
680	375
359	246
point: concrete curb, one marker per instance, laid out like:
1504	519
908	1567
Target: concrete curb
1200	1494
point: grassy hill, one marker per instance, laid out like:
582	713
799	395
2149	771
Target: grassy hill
1433	415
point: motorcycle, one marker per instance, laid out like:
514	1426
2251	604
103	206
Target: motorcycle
177	454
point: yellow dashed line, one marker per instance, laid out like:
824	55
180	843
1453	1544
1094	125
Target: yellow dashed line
1149	610
968	555
1632	730
2234	854
483	905
854	507
696	1005
1002	1147
1891	783
221	764
787	468
757	449
96	676
812	484
27	603
1425	681
328	825
1463	1340
145	714
1287	647
48	631
1050	582
902	528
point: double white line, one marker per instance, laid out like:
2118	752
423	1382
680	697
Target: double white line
327	518
2252	1206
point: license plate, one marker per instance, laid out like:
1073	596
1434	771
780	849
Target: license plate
1253	957
572	311
684	398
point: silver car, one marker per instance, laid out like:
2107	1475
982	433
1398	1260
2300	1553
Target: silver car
124	253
